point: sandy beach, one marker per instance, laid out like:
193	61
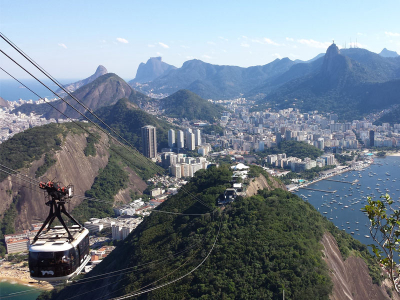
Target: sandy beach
16	273
393	154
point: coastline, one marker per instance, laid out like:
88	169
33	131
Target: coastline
393	154
16	274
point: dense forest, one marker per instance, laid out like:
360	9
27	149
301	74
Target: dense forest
267	244
188	105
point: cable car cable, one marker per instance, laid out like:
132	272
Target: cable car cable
138	292
140	158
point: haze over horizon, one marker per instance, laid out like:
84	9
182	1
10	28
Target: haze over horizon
121	36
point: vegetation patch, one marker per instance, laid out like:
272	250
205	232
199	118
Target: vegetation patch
91	141
48	162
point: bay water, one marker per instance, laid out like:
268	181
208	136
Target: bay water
343	207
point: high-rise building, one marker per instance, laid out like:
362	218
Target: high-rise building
149	141
171	138
197	134
191	144
181	140
371	138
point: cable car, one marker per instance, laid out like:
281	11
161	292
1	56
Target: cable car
58	253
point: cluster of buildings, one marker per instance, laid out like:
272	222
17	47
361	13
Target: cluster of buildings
20	242
11	124
245	131
297	164
181	166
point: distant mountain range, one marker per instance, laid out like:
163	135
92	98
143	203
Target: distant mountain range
350	82
213	81
151	70
71	87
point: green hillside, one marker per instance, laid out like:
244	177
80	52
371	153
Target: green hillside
267	243
128	120
185	104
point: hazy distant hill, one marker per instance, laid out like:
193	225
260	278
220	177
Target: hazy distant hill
214	81
345	85
104	91
388	53
152	69
76	85
3	102
185	104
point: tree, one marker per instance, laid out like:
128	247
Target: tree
385	231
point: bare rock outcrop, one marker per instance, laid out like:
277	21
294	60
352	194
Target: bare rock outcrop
72	166
261	183
350	277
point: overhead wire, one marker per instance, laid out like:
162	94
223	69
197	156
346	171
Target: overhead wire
68	93
138	157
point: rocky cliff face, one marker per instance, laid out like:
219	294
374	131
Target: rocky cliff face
261	183
73	167
152	69
350	277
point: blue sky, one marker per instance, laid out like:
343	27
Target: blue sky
71	38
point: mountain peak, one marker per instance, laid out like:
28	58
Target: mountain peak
388	53
153	68
101	70
332	50
330	59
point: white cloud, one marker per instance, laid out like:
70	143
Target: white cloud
277	55
122	40
163	45
271	42
361	34
150	45
159	53
185	47
223	50
189	57
206	56
210	43
245	45
289	39
62	45
244	37
388	33
257	41
314	44
103	41
222	38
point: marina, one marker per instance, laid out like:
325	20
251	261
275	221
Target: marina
342	204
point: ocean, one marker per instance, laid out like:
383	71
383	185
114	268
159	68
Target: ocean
12	91
18	291
343	207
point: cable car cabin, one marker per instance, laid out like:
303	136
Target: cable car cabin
53	258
